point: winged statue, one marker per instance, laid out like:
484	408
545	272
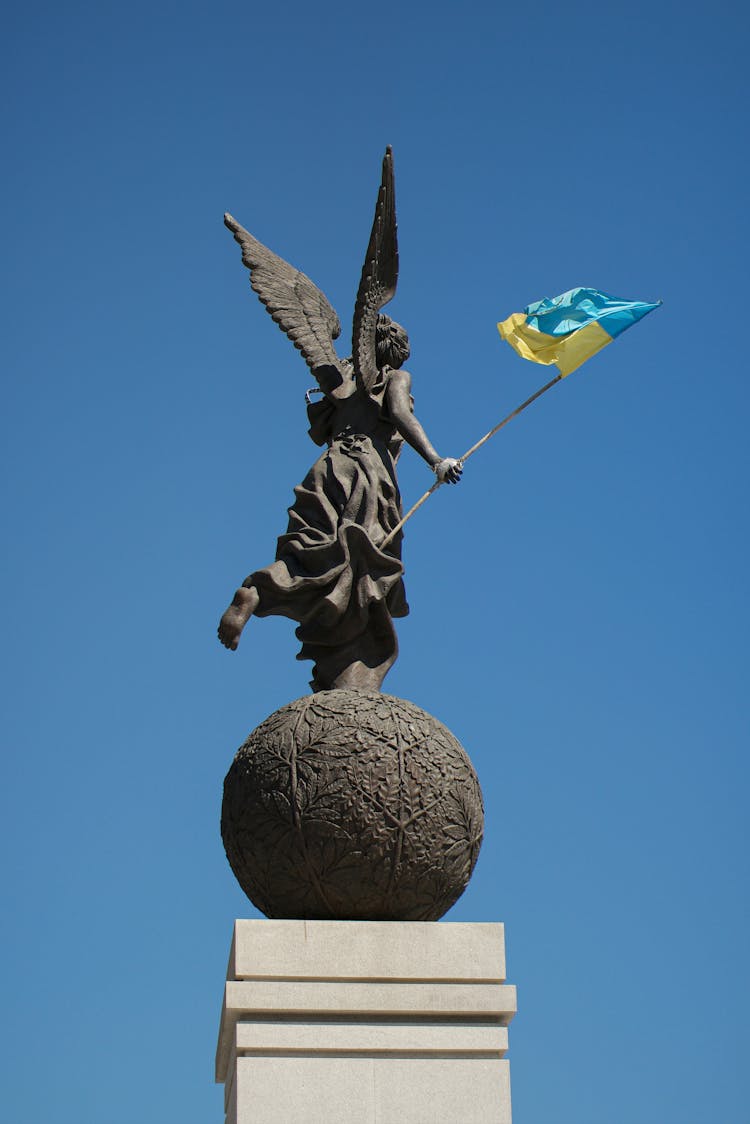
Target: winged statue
338	570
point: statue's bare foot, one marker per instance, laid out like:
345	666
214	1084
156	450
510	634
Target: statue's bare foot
244	604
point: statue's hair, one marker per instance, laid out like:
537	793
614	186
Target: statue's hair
391	343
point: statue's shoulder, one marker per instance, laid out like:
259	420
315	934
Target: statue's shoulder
390	377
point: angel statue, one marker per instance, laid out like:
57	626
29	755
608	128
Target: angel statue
334	572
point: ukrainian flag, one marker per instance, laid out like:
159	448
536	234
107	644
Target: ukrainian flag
569	329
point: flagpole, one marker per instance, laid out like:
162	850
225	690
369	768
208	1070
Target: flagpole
519	409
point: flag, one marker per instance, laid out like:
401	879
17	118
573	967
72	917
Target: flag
569	329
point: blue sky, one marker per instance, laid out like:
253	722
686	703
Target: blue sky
579	604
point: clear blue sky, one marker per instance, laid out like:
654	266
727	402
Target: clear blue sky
579	604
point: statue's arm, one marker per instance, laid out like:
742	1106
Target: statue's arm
402	414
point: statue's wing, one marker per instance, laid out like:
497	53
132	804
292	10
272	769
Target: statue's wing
379	277
295	303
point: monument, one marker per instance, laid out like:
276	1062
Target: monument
353	819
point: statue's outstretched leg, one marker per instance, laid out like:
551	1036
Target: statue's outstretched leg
244	604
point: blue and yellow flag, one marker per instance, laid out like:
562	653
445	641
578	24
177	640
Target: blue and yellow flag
569	329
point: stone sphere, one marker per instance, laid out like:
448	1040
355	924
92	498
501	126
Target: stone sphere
352	805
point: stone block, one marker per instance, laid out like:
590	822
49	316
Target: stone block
374	1090
368	950
375	1022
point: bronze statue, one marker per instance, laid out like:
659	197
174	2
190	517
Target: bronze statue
334	574
347	803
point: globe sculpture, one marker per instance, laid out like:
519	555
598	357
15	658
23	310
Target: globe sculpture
351	805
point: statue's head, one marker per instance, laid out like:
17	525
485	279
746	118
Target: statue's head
391	343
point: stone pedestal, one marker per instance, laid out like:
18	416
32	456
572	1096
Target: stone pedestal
366	1022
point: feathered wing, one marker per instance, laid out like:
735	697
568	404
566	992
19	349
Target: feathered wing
379	277
294	302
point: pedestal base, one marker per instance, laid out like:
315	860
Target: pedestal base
366	1022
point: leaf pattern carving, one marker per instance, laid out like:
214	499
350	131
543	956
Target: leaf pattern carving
352	805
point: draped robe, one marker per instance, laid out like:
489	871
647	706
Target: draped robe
331	574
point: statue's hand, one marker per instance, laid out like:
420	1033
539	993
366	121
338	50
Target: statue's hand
448	470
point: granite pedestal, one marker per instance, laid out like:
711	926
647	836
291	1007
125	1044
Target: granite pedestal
366	1022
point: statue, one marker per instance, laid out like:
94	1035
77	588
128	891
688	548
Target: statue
347	803
334	572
